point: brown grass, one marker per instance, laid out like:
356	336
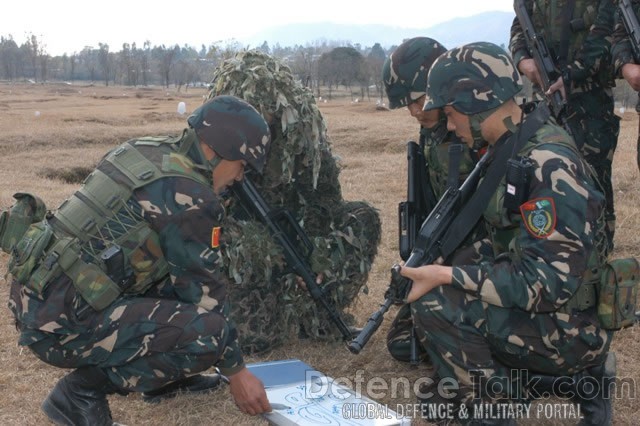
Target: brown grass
77	125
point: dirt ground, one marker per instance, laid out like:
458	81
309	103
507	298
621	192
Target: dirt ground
46	128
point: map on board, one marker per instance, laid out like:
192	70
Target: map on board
300	395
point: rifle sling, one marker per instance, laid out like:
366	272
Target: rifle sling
466	220
455	156
429	199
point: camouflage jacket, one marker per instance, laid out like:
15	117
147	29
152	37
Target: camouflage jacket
621	50
589	28
183	213
553	235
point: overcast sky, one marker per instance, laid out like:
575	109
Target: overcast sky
69	26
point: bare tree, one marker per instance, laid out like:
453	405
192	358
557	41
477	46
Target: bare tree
165	57
374	64
106	62
9	58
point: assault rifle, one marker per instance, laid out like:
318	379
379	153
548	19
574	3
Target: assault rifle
294	243
632	26
413	212
426	250
544	62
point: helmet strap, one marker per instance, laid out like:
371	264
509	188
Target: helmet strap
475	120
190	139
213	163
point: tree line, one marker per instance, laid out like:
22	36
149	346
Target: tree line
321	64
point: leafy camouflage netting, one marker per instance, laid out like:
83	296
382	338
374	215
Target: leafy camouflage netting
301	175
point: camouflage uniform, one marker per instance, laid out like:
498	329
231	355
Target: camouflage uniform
587	76
301	175
405	78
519	306
623	53
169	318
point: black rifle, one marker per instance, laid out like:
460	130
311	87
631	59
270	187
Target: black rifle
426	250
294	243
632	26
549	73
420	199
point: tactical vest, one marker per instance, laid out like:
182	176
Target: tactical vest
103	213
504	231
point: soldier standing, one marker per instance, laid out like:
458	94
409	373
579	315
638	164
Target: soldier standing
405	79
530	305
123	282
578	35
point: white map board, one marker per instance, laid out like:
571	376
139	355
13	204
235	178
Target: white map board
317	400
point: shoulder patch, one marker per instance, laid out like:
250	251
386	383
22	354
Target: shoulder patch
539	217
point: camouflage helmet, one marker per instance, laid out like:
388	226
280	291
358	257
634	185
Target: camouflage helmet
404	73
472	78
233	128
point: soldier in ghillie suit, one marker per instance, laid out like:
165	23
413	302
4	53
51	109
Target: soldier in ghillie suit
404	74
579	36
529	302
301	175
123	282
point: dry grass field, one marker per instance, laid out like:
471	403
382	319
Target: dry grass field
44	129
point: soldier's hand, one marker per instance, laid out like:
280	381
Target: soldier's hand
425	278
631	73
557	86
303	285
248	393
530	70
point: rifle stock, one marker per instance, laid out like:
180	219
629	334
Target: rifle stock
426	250
281	226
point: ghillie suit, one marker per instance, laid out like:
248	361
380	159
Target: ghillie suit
301	175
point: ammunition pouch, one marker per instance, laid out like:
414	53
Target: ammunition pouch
28	251
618	293
40	257
14	222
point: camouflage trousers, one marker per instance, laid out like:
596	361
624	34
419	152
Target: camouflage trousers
399	337
598	128
141	343
480	345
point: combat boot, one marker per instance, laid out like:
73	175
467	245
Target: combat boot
80	399
199	383
590	388
594	392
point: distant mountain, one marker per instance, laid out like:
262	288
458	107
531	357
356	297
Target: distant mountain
487	26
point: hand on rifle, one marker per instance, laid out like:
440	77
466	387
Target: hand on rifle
530	70
558	85
425	278
303	285
631	73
